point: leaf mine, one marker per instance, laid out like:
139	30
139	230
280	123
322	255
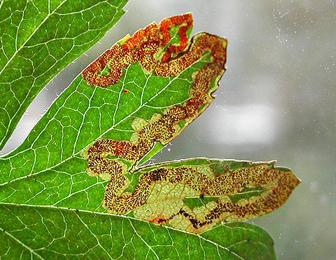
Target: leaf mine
167	194
229	191
161	128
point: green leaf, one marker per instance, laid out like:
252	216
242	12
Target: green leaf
84	114
38	39
86	154
50	233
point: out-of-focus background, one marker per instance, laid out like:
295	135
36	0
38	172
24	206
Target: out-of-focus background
277	100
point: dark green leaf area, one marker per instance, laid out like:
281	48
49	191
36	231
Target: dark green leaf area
38	40
67	185
247	193
251	241
198	202
45	233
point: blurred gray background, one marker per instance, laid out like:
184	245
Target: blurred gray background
277	100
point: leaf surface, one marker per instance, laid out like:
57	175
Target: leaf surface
155	98
86	154
38	39
192	195
55	233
